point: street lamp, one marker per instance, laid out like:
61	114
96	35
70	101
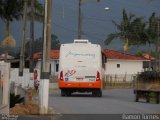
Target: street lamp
106	8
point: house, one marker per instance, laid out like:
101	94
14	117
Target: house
54	62
122	66
152	64
118	64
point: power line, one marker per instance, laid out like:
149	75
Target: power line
72	30
67	29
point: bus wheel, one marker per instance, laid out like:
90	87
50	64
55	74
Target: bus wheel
63	93
135	97
99	93
68	93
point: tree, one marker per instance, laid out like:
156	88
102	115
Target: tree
130	30
55	44
8	44
11	10
153	34
152	28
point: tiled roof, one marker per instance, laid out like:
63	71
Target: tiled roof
54	54
112	54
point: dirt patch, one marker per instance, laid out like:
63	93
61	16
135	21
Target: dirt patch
30	107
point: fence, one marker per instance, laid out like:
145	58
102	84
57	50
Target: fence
26	81
118	81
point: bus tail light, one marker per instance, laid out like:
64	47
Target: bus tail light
98	76
61	75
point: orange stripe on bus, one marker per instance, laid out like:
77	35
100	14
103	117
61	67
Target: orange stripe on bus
63	84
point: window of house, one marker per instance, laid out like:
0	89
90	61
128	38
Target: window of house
118	65
57	67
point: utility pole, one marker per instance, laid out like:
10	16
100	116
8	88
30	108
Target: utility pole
79	34
79	19
31	43
23	40
45	66
31	36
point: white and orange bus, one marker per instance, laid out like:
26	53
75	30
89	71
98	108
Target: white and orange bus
80	68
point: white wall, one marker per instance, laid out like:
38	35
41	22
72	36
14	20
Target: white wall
24	80
53	66
126	67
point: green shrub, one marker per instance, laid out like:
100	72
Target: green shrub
14	99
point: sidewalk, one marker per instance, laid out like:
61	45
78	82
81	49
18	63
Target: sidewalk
35	118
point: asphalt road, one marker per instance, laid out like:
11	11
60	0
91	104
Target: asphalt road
112	102
114	105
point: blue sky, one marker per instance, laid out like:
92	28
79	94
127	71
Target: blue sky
96	21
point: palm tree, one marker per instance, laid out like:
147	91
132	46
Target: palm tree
152	28
36	13
131	30
11	10
153	32
36	9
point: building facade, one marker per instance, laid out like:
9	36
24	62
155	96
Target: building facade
122	66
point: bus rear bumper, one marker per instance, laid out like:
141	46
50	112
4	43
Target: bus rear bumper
64	84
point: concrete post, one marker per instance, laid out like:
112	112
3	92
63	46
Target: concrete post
44	83
5	73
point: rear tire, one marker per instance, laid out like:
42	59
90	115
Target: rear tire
97	93
68	93
100	93
63	93
135	97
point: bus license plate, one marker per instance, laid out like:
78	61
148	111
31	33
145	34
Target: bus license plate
79	79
